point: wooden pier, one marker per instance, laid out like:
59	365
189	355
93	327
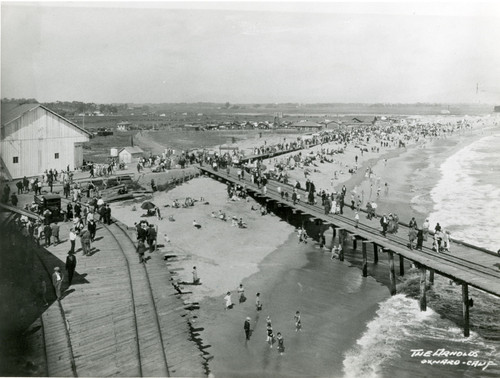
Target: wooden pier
119	317
474	268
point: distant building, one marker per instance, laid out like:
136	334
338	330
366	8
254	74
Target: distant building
123	126
129	155
34	139
307	125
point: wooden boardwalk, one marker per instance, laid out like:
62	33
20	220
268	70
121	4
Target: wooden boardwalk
119	317
473	267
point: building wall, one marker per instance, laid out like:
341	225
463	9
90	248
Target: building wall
125	157
35	139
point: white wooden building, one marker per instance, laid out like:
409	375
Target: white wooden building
34	139
129	155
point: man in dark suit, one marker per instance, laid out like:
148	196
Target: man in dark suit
384	222
57	279
70	266
108	214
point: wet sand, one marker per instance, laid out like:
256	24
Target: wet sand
334	300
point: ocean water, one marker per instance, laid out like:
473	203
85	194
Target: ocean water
467	198
466	201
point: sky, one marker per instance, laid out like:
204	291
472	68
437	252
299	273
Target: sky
255	52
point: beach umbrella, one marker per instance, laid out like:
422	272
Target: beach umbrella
148	205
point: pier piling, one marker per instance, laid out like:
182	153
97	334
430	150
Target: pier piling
392	272
465	308
401	265
365	262
431	277
423	297
375	253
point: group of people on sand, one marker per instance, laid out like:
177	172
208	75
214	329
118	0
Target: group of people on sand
235	222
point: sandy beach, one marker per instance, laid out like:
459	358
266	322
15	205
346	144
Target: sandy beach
335	301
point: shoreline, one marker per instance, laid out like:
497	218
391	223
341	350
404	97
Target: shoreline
275	274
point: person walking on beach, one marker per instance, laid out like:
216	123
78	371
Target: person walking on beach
281	344
270	336
141	249
70	266
196	280
246	327
298	321
356	218
229	302
151	236
57	279
241	294
258	303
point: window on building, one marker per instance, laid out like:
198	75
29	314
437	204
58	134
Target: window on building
56	155
15	159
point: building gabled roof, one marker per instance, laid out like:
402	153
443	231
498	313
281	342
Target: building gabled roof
13	111
132	150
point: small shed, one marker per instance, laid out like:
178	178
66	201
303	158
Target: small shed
128	155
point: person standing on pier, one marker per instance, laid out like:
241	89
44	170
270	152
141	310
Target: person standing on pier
57	279
72	239
55	232
108	214
412	235
425	229
384	222
70	266
85	241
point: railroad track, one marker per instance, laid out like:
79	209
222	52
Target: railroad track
123	322
151	356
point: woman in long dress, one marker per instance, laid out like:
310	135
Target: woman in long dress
229	302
